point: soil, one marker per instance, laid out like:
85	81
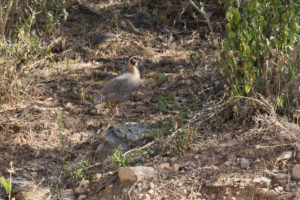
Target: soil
49	127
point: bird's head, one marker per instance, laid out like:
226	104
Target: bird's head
134	60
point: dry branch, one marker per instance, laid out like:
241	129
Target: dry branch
3	19
205	16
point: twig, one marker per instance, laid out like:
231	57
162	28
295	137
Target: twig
131	190
170	111
205	16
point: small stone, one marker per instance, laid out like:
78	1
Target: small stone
287	188
245	163
109	189
285	156
296	171
164	166
262	181
140	196
34	174
97	177
147	197
130	175
151	185
165	159
151	192
38	153
180	184
83	187
282	178
174	168
279	189
82	197
67	194
166	197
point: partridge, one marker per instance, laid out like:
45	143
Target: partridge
120	88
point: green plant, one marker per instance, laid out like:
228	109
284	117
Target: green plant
117	158
7	183
260	36
183	139
59	118
82	171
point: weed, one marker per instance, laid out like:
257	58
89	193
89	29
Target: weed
82	171
183	139
7	183
117	158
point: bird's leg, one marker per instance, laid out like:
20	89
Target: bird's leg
124	113
117	109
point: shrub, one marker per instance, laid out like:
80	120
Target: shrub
260	36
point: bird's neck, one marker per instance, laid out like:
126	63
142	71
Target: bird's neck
133	70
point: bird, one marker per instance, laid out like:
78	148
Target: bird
119	89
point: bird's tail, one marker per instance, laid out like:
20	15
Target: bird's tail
99	99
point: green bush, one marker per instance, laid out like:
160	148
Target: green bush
260	36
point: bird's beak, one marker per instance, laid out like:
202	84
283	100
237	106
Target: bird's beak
140	58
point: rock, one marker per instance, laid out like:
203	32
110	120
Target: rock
151	185
97	177
164	166
296	172
262	181
279	189
36	193
174	168
180	184
38	153
245	163
109	189
126	135
282	178
34	174
103	37
130	175
151	192
284	156
147	197
67	194
82	197
83	187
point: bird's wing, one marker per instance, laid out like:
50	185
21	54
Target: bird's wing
118	87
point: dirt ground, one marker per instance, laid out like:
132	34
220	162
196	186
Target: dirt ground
48	127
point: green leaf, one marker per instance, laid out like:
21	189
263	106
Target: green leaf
228	28
247	88
248	51
232	35
236	16
161	80
6	185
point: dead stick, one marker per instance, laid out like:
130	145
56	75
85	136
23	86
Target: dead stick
205	16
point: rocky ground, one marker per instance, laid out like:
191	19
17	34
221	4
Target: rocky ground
192	143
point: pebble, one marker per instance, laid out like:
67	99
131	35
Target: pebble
296	171
245	163
147	197
82	197
284	156
151	192
174	168
34	174
263	181
164	166
38	153
180	184
151	185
